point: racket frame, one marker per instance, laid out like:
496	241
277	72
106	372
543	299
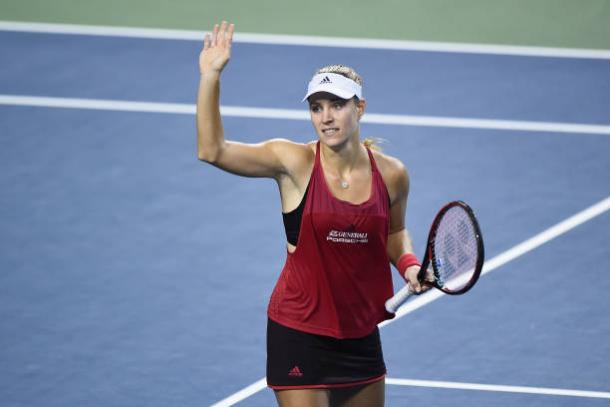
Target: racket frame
431	255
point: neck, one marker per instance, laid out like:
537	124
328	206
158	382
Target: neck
342	159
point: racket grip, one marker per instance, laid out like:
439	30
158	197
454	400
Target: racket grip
398	299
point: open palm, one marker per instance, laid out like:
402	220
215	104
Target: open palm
216	49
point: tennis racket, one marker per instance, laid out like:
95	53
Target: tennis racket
454	254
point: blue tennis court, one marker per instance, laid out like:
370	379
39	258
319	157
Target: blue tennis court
134	275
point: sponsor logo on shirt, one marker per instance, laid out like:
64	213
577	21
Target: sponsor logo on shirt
350	236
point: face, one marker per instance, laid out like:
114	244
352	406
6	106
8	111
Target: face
336	120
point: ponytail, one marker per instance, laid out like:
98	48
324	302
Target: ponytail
373	143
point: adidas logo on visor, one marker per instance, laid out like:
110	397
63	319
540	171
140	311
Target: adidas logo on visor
336	84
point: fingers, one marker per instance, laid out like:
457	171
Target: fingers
428	281
411	276
214	35
230	34
416	287
430	276
221	35
225	34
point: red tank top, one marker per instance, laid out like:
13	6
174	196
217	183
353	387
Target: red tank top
337	280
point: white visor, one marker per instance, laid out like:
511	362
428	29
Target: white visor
333	83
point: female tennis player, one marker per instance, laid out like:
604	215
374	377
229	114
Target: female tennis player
344	212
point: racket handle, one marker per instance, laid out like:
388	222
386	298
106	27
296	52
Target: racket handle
398	299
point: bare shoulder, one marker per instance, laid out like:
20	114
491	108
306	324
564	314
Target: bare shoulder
290	150
391	168
297	158
394	174
283	143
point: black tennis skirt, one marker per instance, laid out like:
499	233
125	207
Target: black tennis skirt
300	360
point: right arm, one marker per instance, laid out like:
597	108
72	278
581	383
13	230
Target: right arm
253	160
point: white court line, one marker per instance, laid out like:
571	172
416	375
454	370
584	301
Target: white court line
490	265
306	40
242	394
499	388
291	114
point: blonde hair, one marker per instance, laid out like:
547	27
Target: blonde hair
373	143
344	70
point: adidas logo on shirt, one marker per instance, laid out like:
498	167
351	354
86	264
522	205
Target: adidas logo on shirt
326	79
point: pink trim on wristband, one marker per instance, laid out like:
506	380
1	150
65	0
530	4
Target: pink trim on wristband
407	260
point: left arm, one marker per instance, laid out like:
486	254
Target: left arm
399	240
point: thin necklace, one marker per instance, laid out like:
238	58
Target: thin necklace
344	184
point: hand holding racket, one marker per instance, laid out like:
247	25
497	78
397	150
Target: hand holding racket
454	254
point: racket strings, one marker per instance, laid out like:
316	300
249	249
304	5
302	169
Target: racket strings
455	249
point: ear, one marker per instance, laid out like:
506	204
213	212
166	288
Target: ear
361	106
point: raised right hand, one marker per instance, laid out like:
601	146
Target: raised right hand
216	49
